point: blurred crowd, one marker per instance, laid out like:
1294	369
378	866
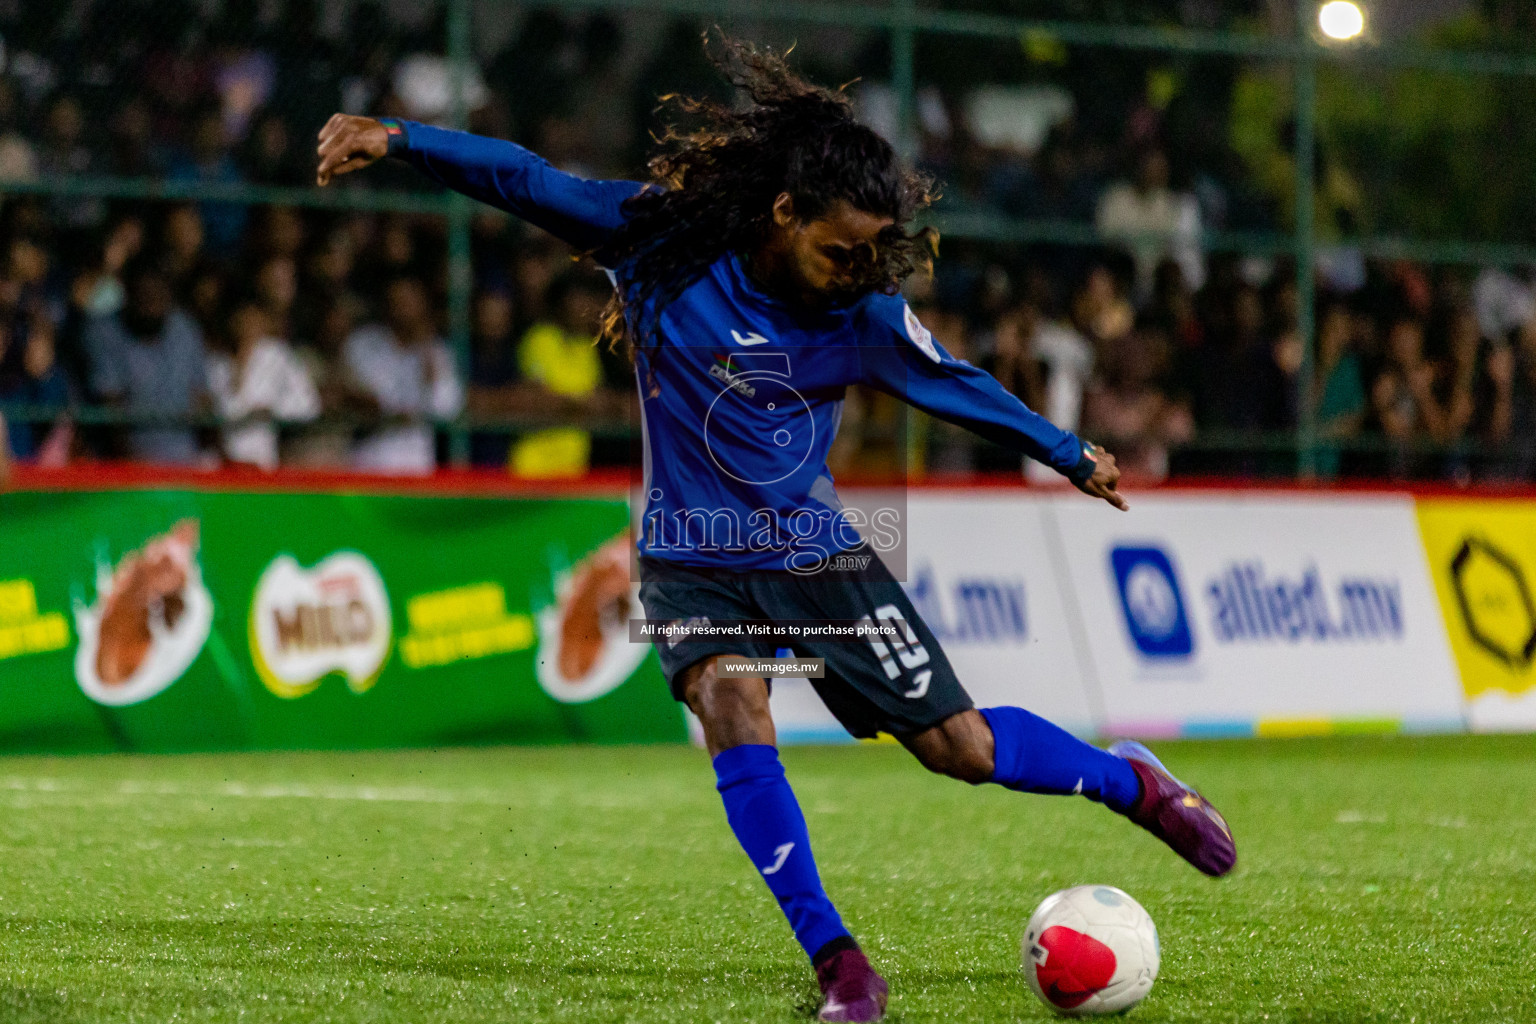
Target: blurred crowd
221	332
1416	374
319	343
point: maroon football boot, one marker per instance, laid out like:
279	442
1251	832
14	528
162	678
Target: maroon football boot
1178	815
853	991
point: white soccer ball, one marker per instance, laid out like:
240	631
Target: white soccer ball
1090	950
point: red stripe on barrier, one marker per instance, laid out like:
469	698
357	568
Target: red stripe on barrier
106	476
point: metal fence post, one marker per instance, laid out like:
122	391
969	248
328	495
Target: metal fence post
1306	258
903	84
460	269
903	60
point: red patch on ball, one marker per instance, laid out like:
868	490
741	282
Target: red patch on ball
1076	966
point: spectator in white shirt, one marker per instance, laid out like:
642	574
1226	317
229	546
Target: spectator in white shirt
1155	223
258	385
1504	302
405	367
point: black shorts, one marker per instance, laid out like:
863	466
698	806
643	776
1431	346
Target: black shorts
910	689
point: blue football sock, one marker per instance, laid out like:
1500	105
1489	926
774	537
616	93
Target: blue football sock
1033	756
767	821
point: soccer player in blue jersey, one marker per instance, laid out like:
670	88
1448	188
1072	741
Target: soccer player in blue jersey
757	277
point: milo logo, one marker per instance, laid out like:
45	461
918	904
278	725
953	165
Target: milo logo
309	623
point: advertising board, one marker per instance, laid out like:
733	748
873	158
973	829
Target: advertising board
1196	614
1482	556
1259	613
179	619
184	620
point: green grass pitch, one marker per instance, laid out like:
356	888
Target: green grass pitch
1378	880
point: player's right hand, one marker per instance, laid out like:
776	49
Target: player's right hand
1105	477
349	143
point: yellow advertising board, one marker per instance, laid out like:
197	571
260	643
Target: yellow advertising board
1482	554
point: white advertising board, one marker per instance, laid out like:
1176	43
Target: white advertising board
1225	612
1196	613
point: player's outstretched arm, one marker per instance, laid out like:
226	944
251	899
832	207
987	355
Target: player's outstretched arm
899	356
503	174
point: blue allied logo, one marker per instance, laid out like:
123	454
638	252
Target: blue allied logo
1152	602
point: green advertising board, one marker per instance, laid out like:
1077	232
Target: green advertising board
168	620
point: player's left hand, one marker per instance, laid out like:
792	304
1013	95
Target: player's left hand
1105	477
347	143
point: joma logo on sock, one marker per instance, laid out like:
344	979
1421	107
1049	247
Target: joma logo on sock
780	856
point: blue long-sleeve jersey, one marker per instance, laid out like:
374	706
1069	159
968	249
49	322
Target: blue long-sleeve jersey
741	395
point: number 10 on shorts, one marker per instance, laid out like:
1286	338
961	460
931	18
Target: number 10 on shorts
909	650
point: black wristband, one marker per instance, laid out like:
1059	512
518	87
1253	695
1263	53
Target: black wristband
399	141
1087	465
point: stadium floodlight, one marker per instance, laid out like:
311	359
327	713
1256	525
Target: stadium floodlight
1341	20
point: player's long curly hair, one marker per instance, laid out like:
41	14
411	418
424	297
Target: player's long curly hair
714	187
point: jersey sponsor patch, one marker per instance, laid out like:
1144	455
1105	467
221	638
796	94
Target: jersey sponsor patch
919	334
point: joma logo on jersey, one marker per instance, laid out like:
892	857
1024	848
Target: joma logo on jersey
749	339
